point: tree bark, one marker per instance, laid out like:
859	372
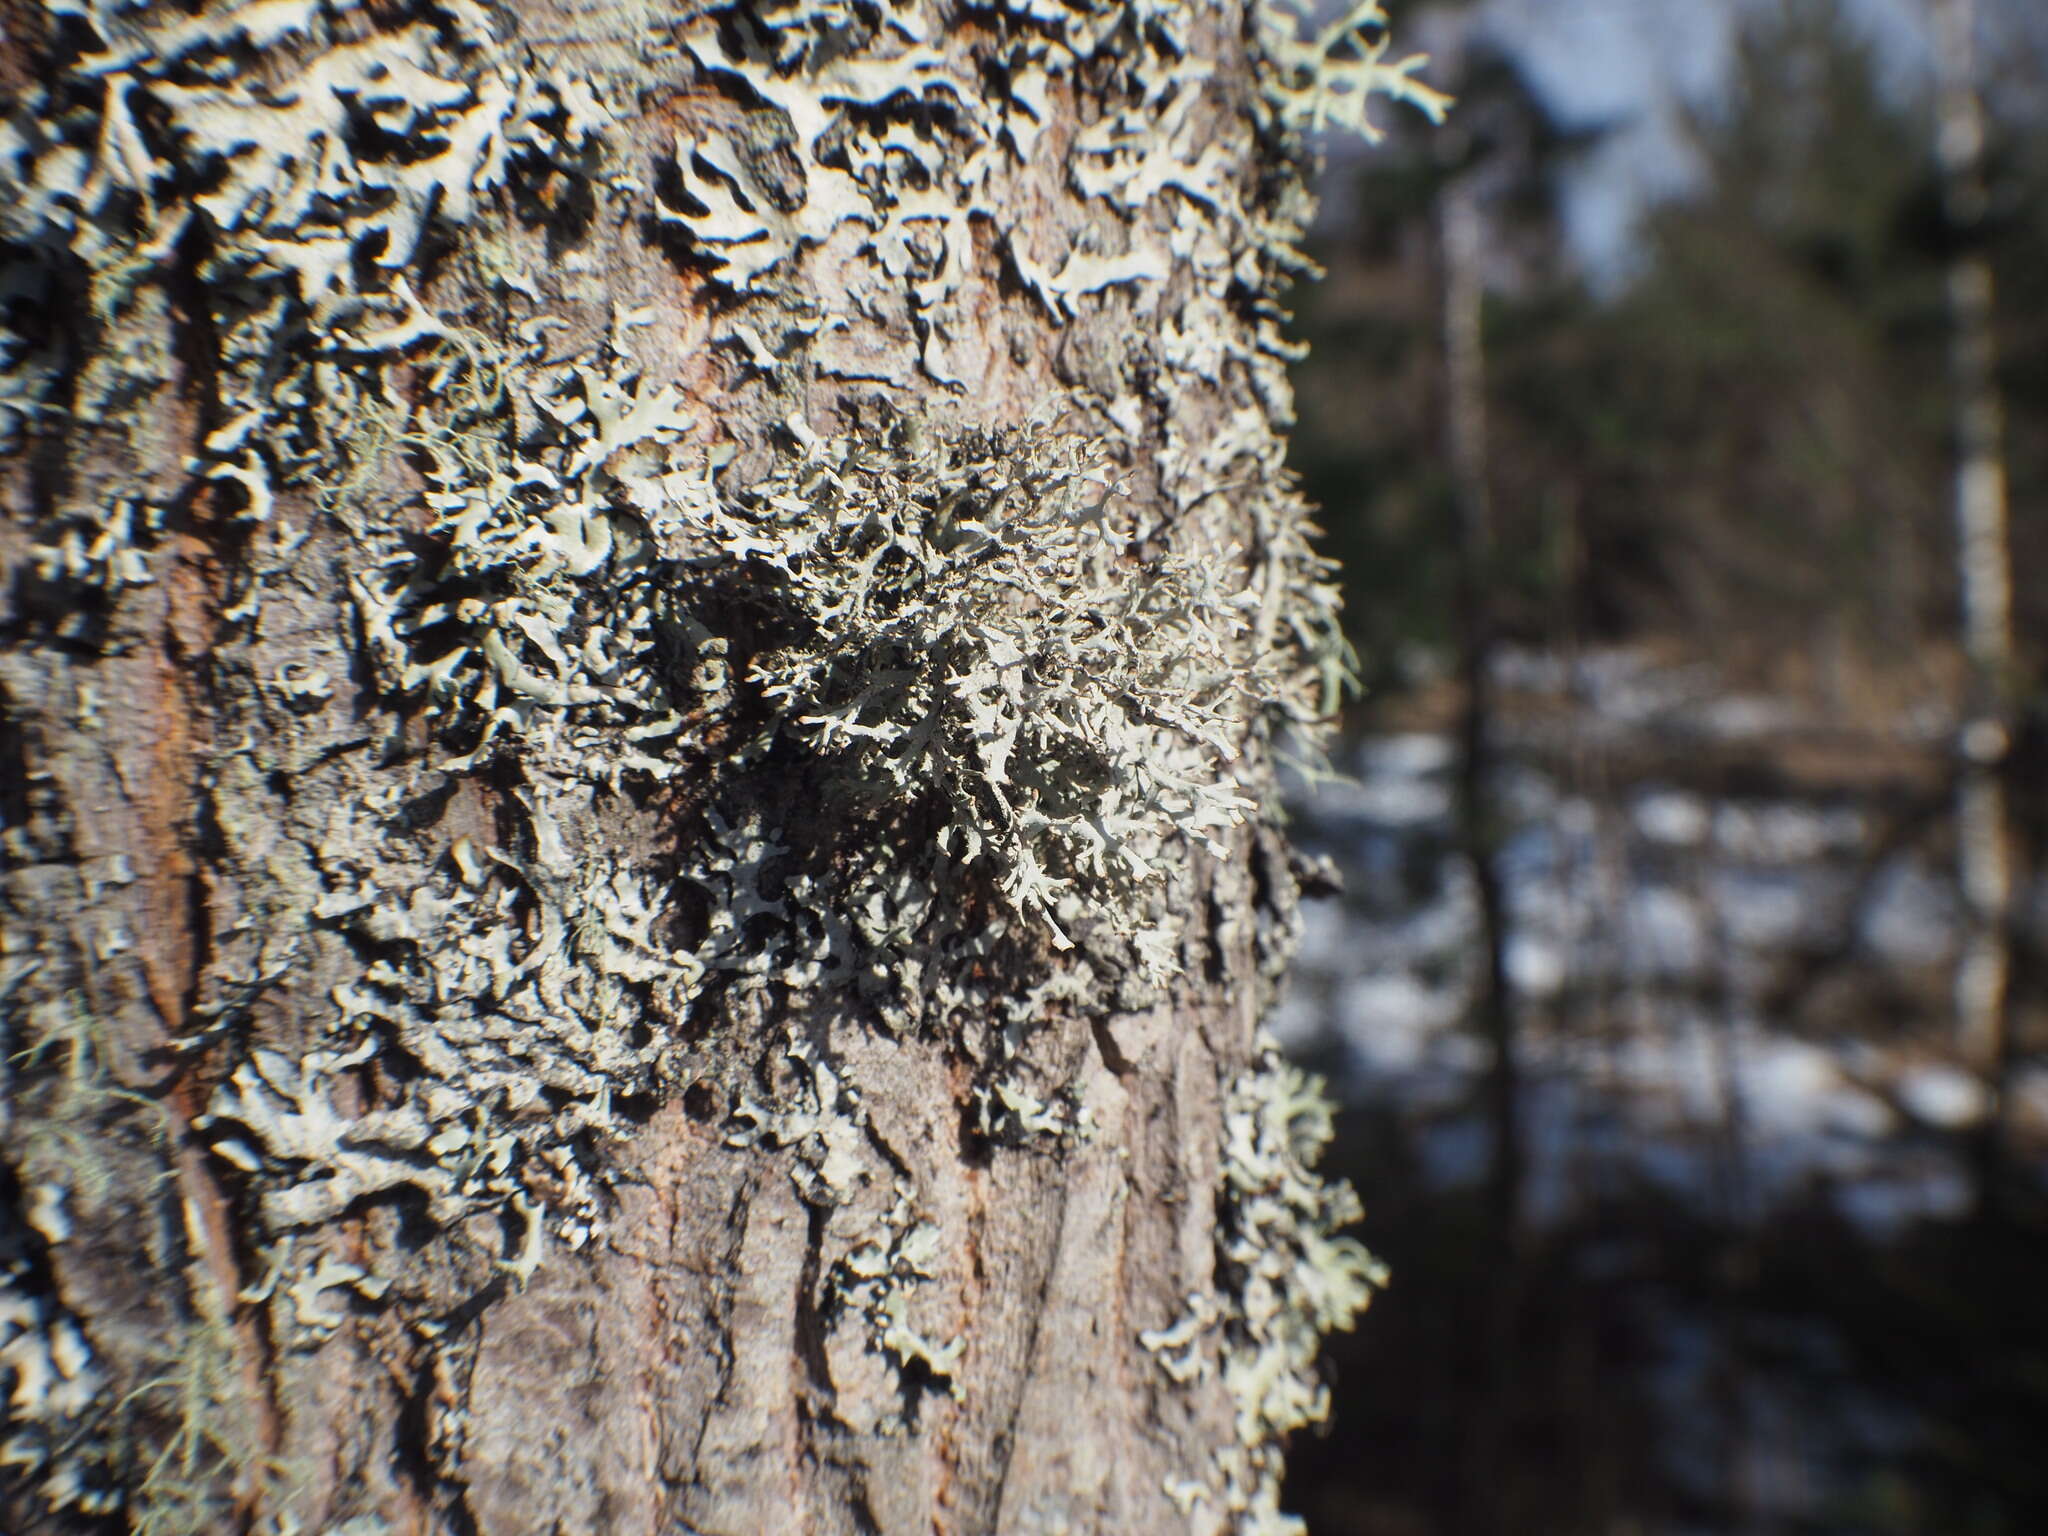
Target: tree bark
641	660
1461	241
1984	840
1461	236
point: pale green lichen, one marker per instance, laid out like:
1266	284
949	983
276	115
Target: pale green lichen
958	638
1328	75
53	1391
876	1282
948	625
294	1130
561	528
818	1117
849	115
313	196
1286	1277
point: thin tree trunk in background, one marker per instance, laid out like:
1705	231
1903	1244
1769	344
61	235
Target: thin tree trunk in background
1462	237
1984	578
1487	1499
640	654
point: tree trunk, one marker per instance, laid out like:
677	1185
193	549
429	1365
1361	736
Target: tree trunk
641	659
1461	238
1984	572
1461	241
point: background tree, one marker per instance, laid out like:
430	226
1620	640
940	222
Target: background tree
1984	579
641	653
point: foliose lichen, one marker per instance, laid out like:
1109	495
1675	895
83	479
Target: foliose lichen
1288	1276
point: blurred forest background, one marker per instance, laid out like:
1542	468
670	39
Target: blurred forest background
1680	415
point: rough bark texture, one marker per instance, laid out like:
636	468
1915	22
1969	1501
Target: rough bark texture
642	654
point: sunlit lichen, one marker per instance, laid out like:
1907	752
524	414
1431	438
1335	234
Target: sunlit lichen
1287	1276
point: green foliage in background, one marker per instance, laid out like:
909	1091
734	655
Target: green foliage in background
1744	446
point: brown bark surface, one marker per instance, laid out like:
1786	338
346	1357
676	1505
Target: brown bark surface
425	1110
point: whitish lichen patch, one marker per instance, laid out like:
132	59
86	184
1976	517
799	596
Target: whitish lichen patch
820	1118
869	1297
1287	1277
52	1388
